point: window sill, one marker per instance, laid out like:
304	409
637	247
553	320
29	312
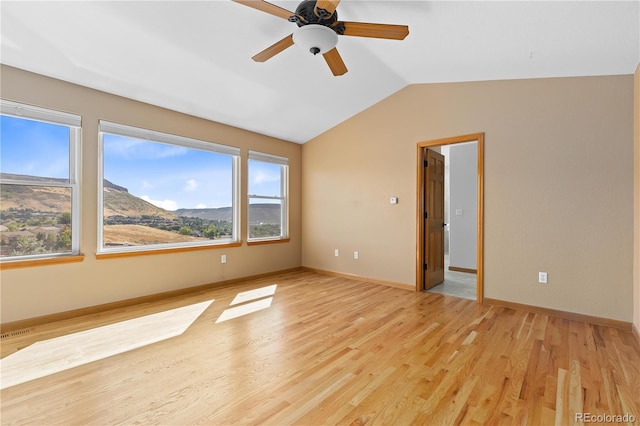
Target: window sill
16	264
115	255
273	241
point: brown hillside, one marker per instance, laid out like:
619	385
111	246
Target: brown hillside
124	204
258	213
135	235
44	199
117	200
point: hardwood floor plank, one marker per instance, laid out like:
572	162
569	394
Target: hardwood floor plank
330	350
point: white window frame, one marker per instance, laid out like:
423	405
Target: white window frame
284	194
74	123
106	127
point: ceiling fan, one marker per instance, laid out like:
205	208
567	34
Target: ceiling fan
319	28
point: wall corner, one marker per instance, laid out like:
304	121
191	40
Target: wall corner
636	199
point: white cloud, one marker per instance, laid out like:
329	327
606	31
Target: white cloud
131	148
262	177
201	206
191	185
166	204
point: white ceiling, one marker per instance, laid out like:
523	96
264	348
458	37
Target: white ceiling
195	56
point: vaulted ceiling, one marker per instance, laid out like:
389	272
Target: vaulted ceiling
195	56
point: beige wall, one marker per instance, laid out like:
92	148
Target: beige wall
558	188
36	291
636	191
558	195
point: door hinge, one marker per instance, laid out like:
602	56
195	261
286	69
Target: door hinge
426	266
426	163
426	215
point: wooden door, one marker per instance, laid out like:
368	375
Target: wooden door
434	219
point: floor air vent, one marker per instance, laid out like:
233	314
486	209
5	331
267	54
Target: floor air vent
15	333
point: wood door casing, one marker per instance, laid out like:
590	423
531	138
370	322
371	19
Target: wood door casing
434	219
420	204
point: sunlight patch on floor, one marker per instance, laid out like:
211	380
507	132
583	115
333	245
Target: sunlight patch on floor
248	308
257	293
66	352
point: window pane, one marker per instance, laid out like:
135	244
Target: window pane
265	218
264	179
36	213
34	220
267	196
33	149
160	193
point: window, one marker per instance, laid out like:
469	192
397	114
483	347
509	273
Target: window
161	191
268	186
39	201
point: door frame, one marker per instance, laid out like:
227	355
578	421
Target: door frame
420	252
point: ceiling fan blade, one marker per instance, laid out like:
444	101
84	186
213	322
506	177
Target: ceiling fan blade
328	5
274	49
334	60
365	29
267	7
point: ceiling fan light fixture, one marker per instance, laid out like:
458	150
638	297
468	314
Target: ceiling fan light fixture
315	38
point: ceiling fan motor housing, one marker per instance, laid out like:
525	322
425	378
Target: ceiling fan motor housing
306	14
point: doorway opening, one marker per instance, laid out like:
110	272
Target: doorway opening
430	225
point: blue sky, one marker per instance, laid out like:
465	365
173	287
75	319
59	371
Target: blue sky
34	148
168	176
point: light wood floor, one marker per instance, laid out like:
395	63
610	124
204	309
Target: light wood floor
327	350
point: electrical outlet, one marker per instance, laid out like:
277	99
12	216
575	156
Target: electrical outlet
542	277
223	258
356	255
337	252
